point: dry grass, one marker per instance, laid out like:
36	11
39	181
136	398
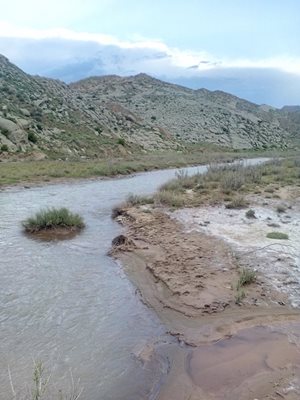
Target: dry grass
229	184
43	388
247	276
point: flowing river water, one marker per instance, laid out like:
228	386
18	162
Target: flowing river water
70	305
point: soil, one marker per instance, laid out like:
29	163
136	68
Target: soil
187	272
55	233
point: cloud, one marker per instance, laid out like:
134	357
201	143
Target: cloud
70	56
198	61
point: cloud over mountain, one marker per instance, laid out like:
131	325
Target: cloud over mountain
70	56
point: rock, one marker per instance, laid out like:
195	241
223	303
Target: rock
25	112
121	240
12	131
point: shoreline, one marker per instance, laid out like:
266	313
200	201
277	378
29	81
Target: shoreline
102	169
70	180
154	241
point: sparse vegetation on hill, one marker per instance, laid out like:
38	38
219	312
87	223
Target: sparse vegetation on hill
113	116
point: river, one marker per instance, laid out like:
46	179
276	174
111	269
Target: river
70	305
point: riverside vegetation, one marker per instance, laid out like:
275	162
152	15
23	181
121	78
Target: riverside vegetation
223	187
37	171
53	219
111	126
228	184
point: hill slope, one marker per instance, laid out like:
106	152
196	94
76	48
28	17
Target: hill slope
112	115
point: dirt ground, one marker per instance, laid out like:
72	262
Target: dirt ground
188	273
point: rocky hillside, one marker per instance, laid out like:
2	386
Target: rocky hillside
290	120
111	115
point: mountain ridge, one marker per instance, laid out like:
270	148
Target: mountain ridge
113	115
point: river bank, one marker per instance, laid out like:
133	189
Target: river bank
186	265
32	171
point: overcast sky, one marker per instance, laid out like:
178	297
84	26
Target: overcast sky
247	47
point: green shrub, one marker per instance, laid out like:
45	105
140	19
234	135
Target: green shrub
246	277
4	132
53	218
277	235
250	214
121	141
4	147
32	137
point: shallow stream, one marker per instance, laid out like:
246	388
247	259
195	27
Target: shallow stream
70	305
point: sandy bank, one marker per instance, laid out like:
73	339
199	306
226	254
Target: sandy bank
189	277
187	273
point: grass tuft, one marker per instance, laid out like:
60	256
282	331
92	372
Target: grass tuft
53	218
170	198
240	295
277	235
247	276
135	200
238	203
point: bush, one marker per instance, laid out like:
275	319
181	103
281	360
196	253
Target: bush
281	209
237	202
53	218
277	235
32	137
4	132
121	141
247	276
250	214
4	147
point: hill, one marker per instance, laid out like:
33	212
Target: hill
112	116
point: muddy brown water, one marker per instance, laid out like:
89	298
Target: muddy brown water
224	369
70	305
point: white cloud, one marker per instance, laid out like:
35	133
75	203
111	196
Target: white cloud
181	61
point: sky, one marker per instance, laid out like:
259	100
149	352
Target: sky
250	48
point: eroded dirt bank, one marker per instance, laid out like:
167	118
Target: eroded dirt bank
235	351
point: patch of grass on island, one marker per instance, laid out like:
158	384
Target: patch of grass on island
52	219
277	235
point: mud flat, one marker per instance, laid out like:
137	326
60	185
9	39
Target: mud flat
187	271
